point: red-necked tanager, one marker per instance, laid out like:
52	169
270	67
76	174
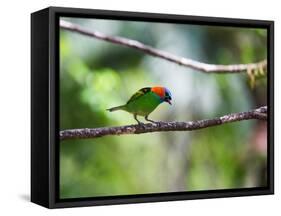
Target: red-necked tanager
144	101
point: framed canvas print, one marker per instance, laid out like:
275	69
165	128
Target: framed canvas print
138	107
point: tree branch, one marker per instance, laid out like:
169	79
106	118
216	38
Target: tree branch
260	113
204	67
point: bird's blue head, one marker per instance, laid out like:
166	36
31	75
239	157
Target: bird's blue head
168	96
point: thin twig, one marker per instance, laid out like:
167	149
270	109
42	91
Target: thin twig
204	67
83	133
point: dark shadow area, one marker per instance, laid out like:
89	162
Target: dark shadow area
25	197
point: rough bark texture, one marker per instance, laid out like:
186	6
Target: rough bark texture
83	133
200	66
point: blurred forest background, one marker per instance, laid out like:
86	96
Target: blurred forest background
96	75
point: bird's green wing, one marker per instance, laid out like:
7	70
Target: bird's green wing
139	94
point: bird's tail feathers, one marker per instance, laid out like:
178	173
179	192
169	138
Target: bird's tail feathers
116	108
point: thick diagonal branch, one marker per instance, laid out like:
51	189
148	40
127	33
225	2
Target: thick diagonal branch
260	113
200	66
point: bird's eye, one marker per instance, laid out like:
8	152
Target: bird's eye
168	97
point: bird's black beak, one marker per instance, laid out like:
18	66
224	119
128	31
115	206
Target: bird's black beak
168	101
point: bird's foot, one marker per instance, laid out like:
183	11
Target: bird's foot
157	123
141	124
149	120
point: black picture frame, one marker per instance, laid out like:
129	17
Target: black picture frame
45	100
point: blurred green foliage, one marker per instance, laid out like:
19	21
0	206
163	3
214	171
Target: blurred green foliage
96	75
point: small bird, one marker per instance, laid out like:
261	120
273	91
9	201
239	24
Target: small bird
144	101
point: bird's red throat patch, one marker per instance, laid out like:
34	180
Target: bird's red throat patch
160	91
